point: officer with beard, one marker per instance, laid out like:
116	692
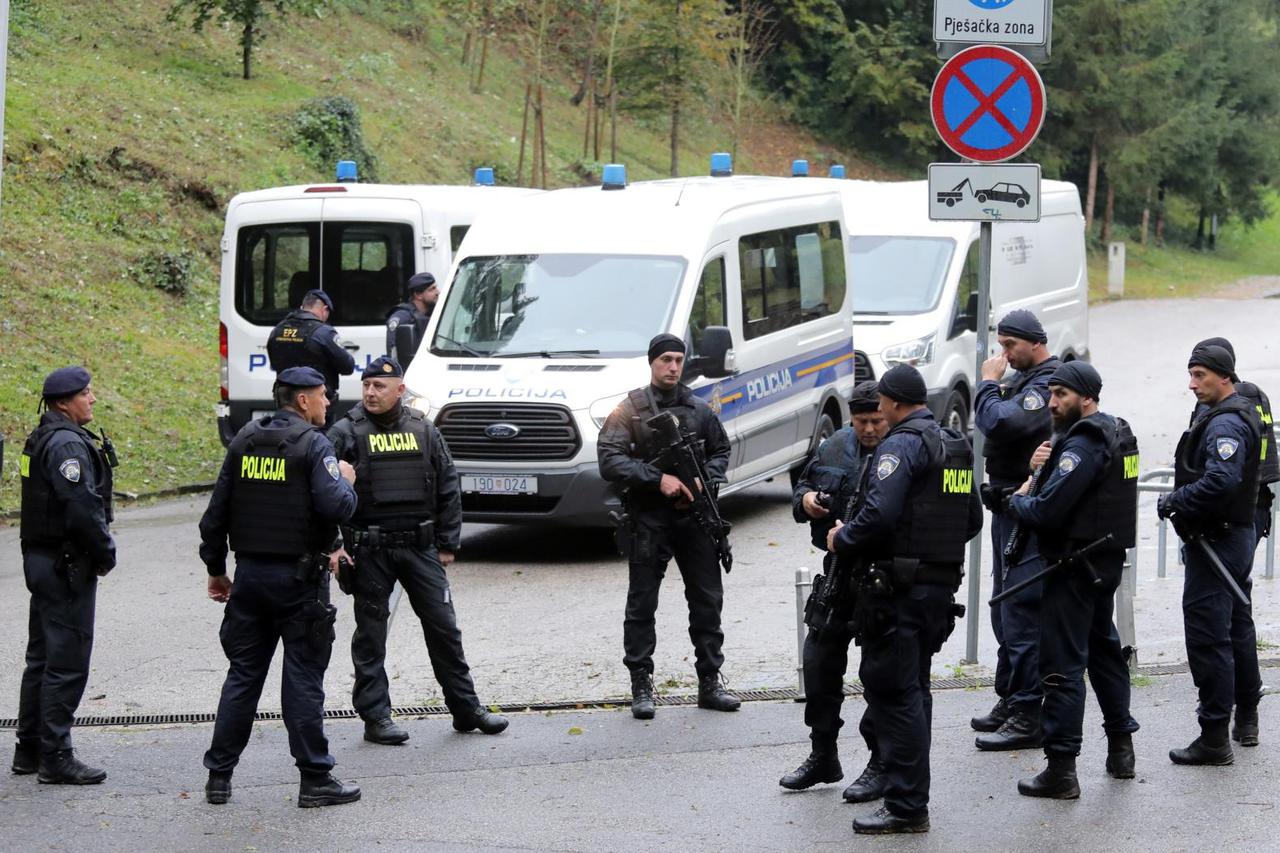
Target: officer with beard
421	294
827	489
1091	492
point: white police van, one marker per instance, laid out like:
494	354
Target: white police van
357	242
544	327
915	283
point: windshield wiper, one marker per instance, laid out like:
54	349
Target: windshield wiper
468	350
548	353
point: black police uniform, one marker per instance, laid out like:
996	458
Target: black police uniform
660	531
1269	472
1014	418
410	510
279	498
301	339
1215	496
1091	492
402	314
919	508
66	546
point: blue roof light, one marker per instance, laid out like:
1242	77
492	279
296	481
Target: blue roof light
614	177
837	171
484	176
721	164
799	168
346	171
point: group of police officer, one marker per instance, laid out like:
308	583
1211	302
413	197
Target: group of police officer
890	499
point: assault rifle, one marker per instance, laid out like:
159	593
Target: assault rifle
1017	542
684	453
1079	559
822	610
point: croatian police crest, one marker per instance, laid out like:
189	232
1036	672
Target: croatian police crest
887	465
1032	402
1227	447
331	465
71	470
1068	462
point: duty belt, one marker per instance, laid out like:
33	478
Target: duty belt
374	537
939	574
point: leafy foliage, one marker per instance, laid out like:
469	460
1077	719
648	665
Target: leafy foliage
328	130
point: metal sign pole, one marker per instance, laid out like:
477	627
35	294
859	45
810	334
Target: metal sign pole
979	441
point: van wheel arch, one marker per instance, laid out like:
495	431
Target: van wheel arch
828	421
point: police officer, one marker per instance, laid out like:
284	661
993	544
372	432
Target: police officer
1214	499
66	547
918	510
1091	492
407	528
661	526
279	497
824	493
304	338
420	294
1013	415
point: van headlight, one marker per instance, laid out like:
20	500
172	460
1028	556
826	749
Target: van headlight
602	408
915	353
414	401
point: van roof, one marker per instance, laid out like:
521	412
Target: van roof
434	194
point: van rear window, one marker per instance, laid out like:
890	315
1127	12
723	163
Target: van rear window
362	265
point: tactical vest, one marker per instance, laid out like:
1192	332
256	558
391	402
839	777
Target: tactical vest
271	506
934	525
1238	508
647	445
1270	468
392	468
1007	461
838	470
290	343
1110	505
44	515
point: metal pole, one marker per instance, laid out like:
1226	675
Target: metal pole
4	59
1271	539
1162	548
804	581
984	339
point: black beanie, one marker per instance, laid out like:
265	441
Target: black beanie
1079	376
865	398
1216	358
665	342
903	383
1022	324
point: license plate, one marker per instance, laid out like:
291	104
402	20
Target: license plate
500	484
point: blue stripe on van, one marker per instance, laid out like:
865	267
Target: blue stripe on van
748	392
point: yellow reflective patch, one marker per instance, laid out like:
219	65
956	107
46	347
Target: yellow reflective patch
262	468
393	442
1131	466
24	465
957	481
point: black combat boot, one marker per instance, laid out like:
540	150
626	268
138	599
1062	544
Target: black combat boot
26	758
993	720
218	789
885	822
713	696
1056	782
487	722
869	786
821	766
1020	731
1211	748
324	790
63	768
642	706
385	732
1245	730
1120	757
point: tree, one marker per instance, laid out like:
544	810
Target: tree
249	15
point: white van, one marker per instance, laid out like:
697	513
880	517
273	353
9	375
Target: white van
545	324
357	242
915	284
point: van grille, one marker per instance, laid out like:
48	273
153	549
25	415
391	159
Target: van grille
546	432
862	367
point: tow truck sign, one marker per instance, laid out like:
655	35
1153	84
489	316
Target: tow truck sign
970	192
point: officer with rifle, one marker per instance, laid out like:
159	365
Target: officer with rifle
1212	508
668	451
1089	496
828	490
407	528
279	497
918	510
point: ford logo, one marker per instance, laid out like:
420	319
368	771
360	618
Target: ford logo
502	432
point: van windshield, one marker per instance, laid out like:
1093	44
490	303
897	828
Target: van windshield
898	275
571	305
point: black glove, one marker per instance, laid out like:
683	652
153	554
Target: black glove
1162	505
995	498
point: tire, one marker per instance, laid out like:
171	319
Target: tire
826	429
956	412
982	198
951	202
1022	202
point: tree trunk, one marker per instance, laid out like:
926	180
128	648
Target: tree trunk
588	74
1109	212
675	138
246	47
1146	217
1160	216
1091	192
1199	241
524	133
677	77
609	85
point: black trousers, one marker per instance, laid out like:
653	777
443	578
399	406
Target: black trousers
1016	622
1222	644
826	659
59	643
1077	634
895	676
426	586
659	538
265	607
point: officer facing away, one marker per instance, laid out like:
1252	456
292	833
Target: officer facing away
66	547
406	528
304	338
1213	502
279	497
918	511
421	294
829	484
1013	415
1091	492
661	526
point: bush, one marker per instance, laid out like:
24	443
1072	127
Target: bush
327	130
168	271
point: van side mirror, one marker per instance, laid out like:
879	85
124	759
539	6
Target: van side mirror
713	348
406	344
966	320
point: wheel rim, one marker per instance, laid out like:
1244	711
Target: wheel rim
955	419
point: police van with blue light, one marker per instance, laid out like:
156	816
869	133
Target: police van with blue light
359	243
544	327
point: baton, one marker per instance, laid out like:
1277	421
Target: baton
1223	573
397	593
1080	556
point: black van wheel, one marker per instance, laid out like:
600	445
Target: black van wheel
826	429
956	413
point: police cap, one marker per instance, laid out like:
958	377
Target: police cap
903	383
865	398
384	366
64	382
318	294
300	377
419	281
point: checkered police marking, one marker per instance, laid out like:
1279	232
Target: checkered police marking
1032	401
71	470
1227	448
1068	462
887	465
331	465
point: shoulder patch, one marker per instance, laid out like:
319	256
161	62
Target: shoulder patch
331	465
393	322
1227	448
70	469
887	465
1032	402
1068	462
